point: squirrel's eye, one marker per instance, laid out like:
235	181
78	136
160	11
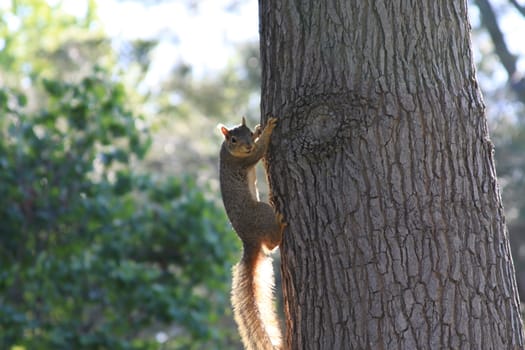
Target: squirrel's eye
251	133
233	139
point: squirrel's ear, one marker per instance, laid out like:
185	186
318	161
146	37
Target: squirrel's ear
243	121
225	131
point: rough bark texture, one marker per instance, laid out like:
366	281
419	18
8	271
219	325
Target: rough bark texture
383	168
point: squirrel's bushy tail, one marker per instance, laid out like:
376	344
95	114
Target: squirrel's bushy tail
252	300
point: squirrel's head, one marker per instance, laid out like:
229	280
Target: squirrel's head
239	141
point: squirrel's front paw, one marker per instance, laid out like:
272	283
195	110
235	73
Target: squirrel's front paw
281	222
271	123
257	131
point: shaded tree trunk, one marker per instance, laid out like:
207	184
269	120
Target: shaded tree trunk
383	168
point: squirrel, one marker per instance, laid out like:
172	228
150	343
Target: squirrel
260	229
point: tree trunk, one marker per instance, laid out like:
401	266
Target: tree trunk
382	165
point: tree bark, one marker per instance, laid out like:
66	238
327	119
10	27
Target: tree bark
382	166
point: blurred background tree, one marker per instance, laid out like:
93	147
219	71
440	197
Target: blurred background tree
113	233
501	72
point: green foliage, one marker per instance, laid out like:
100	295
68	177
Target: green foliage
38	36
224	95
94	255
